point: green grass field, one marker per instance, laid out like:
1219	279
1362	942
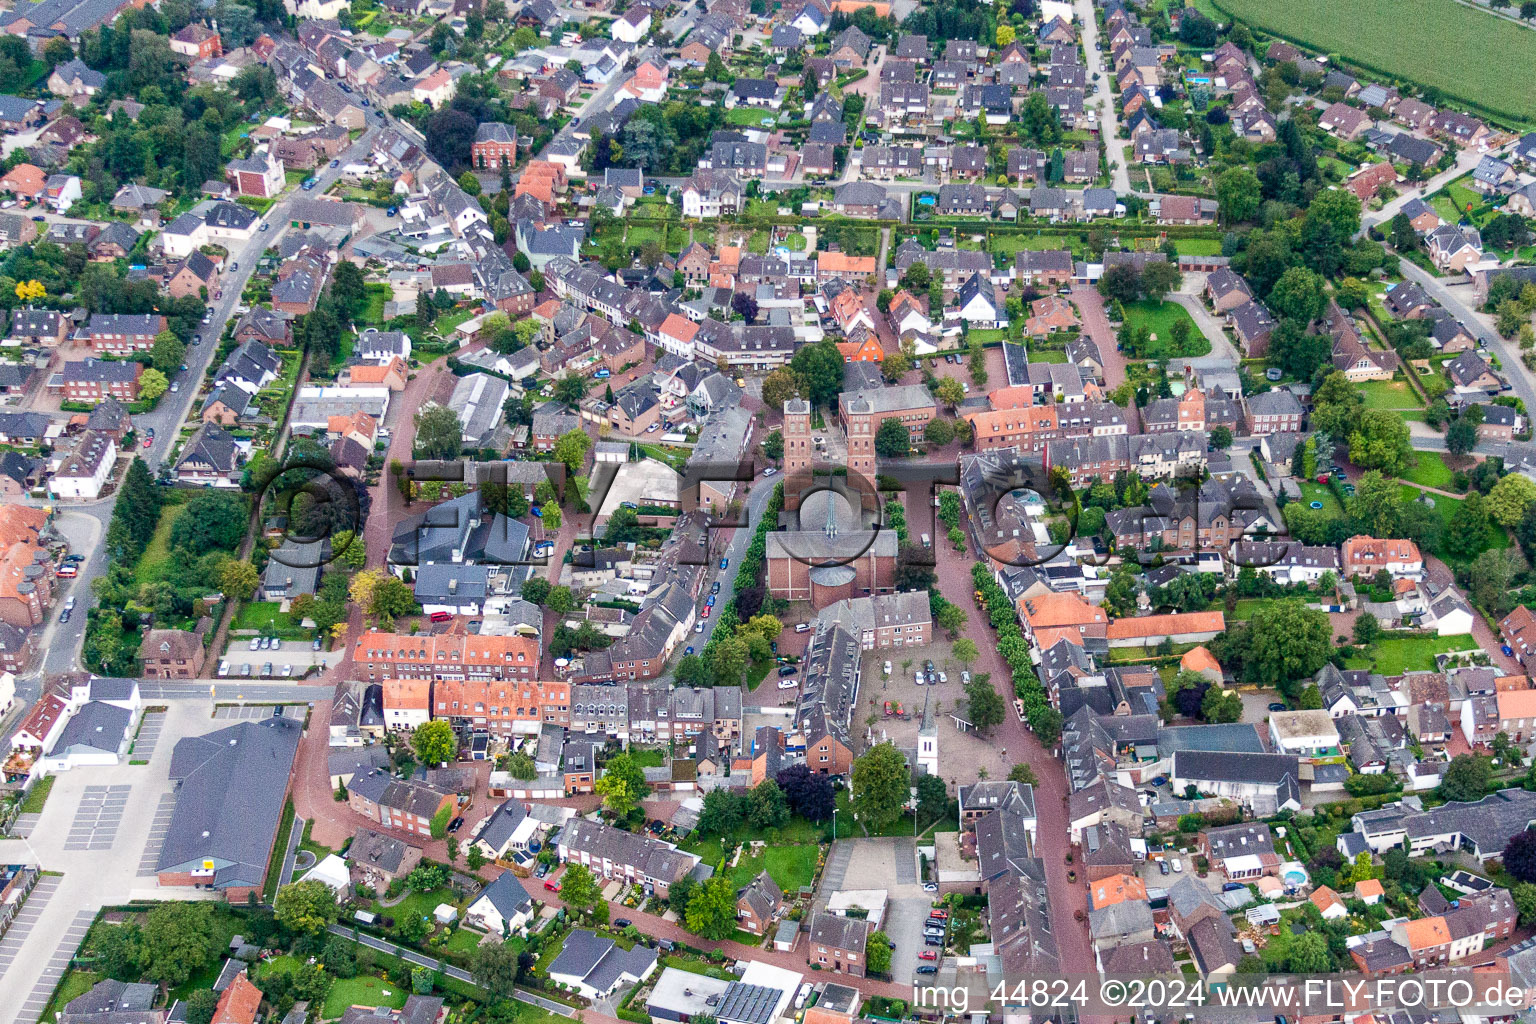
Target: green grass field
1313	491
1476	57
1396	655
1431	471
789	866
362	991
1388	394
1159	318
158	552
1446	507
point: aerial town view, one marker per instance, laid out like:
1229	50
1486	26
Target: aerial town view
767	512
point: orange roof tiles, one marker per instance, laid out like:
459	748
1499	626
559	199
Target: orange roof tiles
1171	625
1323	898
1117	889
842	263
1200	659
1048	610
679	327
25	180
1368	887
238	1003
1516	704
1426	933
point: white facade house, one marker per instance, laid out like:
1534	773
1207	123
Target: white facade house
85	471
633	25
1303	733
502	908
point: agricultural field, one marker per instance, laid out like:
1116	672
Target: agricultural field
1476	57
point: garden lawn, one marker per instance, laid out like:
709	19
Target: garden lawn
364	990
74	984
789	866
1313	491
1198	246
268	618
986	335
464	941
1159	318
1445	508
1431	471
419	903
1046	355
648	757
1477	57
157	554
1388	394
1395	655
37	797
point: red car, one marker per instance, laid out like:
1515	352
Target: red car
149	442
927	954
705	613
552	885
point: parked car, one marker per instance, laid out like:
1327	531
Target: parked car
927	954
802	627
704	614
553	885
622	922
1276	706
541	871
769	471
725	563
64	615
714	588
440	617
456	824
787	670
1162	866
255	644
927	969
698	627
709	602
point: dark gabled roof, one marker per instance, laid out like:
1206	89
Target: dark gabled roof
230	793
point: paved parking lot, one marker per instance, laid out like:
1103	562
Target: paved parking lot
24	825
242	712
32	1010
95	823
239	660
890	864
149	736
159	825
30	913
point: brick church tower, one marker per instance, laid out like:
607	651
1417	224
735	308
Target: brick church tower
797	450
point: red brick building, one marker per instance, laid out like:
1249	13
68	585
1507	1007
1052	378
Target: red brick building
495	146
91	380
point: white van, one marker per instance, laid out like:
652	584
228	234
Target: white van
927	541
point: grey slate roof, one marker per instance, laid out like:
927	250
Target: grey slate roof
245	766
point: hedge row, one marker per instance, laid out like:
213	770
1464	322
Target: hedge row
1043	719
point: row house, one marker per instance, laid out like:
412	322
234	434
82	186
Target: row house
91	380
122	333
613	853
447	656
402	804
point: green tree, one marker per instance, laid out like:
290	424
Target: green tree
773	446
779	387
819	370
1023	773
238	579
578	888
1468	528
1339	208
767	806
984	705
965	650
730	661
1367	630
712	909
571	448
1286	642
1467	778
559	600
392	598
1380	441
892	439
535	589
167	352
202	1003
306	906
438	433
435	743
177	941
211	519
1298	295
1238	194
152	384
494	968
877	953
622	785
949	392
1160	277
1461	438
1511	498
880	785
